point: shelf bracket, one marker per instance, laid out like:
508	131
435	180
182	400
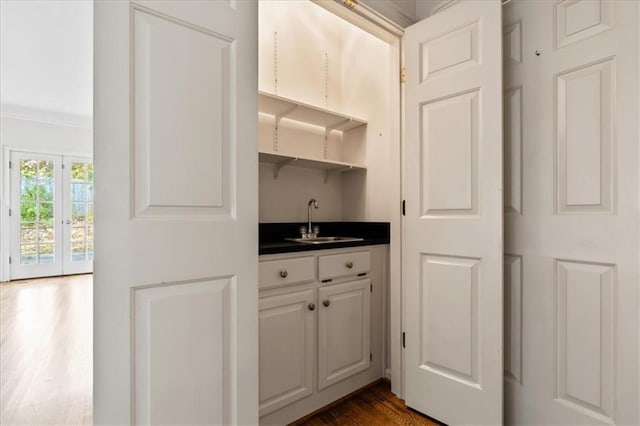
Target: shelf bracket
337	169
334	126
286	112
279	117
280	165
327	130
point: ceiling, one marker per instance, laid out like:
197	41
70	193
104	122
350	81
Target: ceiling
46	57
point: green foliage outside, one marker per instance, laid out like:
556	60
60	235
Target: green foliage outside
37	206
37	191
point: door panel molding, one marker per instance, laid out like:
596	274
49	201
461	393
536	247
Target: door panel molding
585	138
175	150
194	322
450	315
585	336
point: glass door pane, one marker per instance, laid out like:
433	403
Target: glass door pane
78	184
81	211
37	211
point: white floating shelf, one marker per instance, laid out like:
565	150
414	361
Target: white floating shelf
293	110
280	161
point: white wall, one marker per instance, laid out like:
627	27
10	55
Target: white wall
285	199
366	90
308	49
45	137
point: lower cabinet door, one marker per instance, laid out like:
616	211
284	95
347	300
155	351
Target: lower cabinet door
343	331
287	350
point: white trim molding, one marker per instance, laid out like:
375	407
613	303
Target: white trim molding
44	116
392	10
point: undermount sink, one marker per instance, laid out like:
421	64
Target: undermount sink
323	240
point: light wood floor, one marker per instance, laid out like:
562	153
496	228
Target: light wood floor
375	406
46	351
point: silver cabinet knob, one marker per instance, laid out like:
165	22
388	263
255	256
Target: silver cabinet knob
349	264
326	302
312	306
284	273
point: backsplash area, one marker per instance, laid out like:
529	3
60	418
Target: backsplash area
285	199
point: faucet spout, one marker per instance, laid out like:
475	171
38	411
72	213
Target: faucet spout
312	202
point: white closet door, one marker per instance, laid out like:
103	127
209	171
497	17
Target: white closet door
571	206
175	293
452	254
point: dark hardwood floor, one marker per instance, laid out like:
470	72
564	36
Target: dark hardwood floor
375	405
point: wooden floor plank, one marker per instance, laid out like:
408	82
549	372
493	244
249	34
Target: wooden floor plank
372	406
46	351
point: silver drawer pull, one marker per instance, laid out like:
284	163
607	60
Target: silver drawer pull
312	306
349	264
284	273
326	302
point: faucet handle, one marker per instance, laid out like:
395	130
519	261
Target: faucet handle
302	230
316	230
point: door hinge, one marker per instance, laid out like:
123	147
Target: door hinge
404	341
370	356
371	286
10	164
403	75
9	260
62	165
9	212
404	207
350	3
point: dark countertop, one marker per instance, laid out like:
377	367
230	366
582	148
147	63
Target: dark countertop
272	236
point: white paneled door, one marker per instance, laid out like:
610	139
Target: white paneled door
452	231
175	288
571	212
51	215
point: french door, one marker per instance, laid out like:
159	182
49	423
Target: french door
51	215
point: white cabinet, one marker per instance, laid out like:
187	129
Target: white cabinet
343	331
283	272
287	348
321	333
343	264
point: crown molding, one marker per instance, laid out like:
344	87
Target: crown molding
391	11
20	112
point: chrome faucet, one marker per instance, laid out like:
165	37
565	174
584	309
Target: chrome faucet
311	232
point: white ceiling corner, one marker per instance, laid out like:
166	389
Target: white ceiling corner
46	60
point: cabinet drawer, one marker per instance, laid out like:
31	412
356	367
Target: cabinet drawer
344	264
274	273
